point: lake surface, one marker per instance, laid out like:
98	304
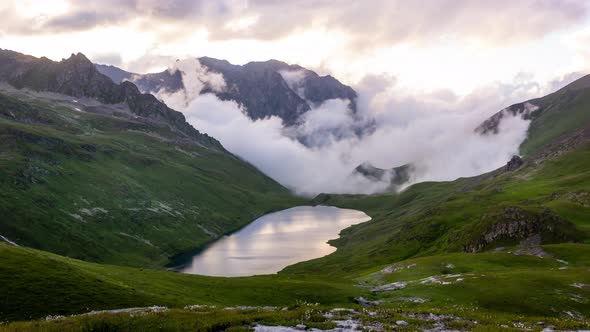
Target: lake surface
274	241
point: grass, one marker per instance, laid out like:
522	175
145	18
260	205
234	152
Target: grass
110	190
497	289
36	284
560	113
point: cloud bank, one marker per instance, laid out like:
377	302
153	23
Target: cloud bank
370	22
435	132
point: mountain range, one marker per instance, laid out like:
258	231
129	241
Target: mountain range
102	186
263	89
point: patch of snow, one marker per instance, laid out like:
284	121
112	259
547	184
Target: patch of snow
139	238
93	211
7	240
450	266
574	314
562	261
578	298
77	216
208	232
579	285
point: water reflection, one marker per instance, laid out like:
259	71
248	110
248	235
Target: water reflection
275	241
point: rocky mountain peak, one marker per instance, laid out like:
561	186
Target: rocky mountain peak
263	88
78	77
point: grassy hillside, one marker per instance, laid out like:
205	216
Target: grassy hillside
111	189
491	289
36	284
550	199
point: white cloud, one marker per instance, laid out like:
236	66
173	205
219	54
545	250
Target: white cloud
435	131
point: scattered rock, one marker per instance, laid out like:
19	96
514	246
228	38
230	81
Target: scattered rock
394	268
367	303
514	163
401	323
412	299
389	287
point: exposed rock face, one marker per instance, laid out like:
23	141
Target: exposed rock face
264	89
78	77
116	74
516	224
514	163
396	176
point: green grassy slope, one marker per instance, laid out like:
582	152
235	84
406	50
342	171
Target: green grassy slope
553	116
491	288
419	235
37	283
109	189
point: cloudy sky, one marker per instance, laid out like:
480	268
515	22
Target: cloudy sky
426	45
427	72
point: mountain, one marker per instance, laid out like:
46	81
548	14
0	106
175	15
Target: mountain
78	77
99	171
556	116
263	88
396	176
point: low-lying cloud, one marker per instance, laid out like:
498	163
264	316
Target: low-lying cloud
433	131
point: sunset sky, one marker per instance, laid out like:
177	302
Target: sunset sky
453	46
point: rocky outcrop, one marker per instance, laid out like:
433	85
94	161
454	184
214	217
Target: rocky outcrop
396	176
513	164
78	77
514	224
